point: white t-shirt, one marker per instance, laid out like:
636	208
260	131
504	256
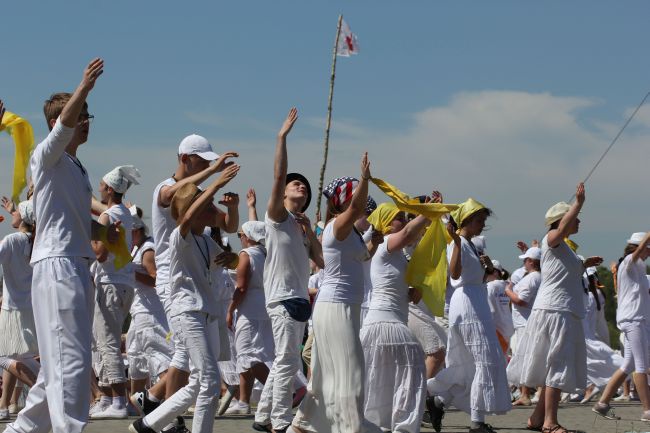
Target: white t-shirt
190	264
145	299
254	305
517	275
561	288
17	283
343	280
286	270
526	289
62	199
389	287
162	226
633	297
472	272
500	307
106	270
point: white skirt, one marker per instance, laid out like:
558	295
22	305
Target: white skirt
395	376
474	378
335	393
148	349
552	352
602	362
431	336
253	342
18	334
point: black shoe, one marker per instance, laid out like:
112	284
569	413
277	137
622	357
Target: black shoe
435	413
139	427
262	427
179	427
144	406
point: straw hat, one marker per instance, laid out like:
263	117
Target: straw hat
183	199
556	212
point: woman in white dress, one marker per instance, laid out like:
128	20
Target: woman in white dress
552	353
335	394
632	319
18	345
474	379
395	383
253	336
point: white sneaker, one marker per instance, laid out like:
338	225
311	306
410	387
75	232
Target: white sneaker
111	412
224	403
4	414
239	409
15	408
98	406
622	398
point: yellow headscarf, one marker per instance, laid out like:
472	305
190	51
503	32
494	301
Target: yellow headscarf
427	270
23	136
466	209
381	217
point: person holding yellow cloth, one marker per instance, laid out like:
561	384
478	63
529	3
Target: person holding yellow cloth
395	390
474	379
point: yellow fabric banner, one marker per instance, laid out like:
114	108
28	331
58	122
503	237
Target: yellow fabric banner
119	249
427	270
23	135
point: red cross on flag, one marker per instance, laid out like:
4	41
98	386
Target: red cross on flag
348	43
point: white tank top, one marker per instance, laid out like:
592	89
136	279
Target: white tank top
389	288
254	306
343	279
145	299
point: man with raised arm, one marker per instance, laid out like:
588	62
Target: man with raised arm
290	242
194	157
62	291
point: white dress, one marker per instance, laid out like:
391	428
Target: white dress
553	349
395	370
474	379
602	361
253	335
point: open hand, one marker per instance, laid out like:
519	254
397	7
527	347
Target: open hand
593	261
580	193
228	174
288	123
522	246
230	199
94	69
8	204
436	197
365	167
251	198
222	162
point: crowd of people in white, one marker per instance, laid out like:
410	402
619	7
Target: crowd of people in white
314	316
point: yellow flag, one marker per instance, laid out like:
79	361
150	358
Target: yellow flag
23	135
119	249
427	270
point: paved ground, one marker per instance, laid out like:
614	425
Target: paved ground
573	416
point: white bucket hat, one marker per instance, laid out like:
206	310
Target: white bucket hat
255	231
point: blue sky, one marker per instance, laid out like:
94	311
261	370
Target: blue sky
509	102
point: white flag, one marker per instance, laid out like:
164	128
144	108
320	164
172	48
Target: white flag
348	43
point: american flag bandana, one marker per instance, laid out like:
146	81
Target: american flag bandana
340	190
371	205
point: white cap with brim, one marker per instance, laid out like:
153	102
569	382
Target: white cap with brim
534	253
556	212
197	145
497	265
255	231
636	238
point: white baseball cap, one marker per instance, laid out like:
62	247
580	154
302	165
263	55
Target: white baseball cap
197	145
534	253
497	265
636	238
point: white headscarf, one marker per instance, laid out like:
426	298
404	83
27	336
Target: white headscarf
26	210
255	231
137	221
121	178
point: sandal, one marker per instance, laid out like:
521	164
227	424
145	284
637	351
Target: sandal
533	427
557	428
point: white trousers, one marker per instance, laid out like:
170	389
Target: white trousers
276	399
636	347
204	383
113	304
62	299
180	359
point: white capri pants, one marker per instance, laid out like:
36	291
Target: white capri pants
636	347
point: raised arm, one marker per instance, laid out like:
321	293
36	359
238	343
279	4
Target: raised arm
275	209
455	262
636	255
229	222
344	223
206	198
251	201
167	192
556	236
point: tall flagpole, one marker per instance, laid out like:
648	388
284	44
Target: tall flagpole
329	118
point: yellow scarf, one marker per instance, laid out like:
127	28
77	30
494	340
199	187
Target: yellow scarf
427	270
571	244
466	209
119	249
23	136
